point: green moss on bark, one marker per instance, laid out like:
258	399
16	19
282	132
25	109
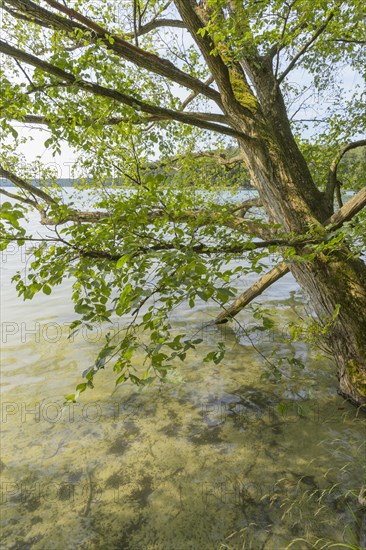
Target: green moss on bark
357	376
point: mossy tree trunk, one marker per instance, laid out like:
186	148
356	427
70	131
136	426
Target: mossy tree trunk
290	197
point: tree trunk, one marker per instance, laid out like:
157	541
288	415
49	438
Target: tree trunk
341	280
286	188
291	199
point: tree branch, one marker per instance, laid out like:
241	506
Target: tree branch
220	158
232	161
21	184
305	48
156	24
75	215
19	198
98	90
246	205
348	41
333	183
346	213
112	121
193	95
23	17
78	216
276	48
115	43
251	293
189	13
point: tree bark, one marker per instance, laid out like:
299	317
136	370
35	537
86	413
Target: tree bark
350	209
291	198
251	293
332	280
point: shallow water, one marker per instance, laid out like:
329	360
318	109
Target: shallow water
216	458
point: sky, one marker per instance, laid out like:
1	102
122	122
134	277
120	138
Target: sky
62	163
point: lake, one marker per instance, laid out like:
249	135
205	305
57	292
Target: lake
217	458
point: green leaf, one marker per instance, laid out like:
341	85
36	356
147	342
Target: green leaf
121	379
122	261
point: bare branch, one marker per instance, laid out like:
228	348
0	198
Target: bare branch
232	161
276	49
135	23
333	183
305	48
193	95
251	293
247	205
158	23
348	41
348	211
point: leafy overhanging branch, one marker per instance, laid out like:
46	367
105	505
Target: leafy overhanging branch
98	90
346	213
206	216
171	246
221	158
95	32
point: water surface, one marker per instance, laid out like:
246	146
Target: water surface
216	458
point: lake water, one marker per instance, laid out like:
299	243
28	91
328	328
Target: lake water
215	459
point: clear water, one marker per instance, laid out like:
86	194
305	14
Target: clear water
207	461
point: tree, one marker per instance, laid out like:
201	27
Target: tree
109	79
